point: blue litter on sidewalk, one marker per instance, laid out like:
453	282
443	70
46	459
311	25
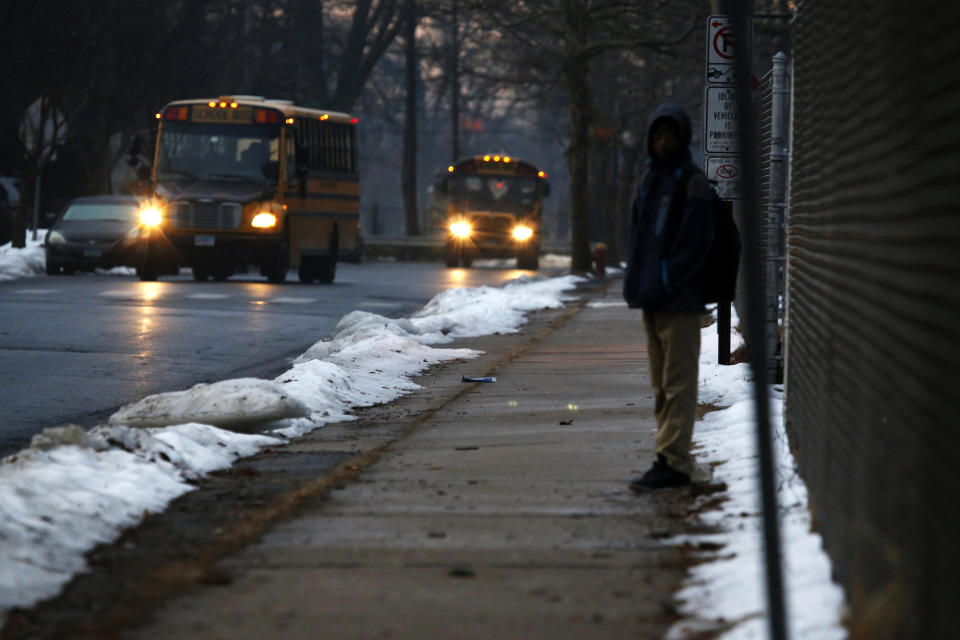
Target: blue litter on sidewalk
466	379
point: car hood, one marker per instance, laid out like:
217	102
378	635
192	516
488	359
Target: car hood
213	190
97	230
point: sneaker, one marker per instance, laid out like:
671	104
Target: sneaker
660	476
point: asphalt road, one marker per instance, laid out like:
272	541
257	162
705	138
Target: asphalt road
73	349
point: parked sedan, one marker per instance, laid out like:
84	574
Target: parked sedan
94	231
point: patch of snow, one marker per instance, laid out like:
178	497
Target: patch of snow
726	592
23	263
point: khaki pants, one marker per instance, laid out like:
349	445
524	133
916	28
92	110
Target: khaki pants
673	343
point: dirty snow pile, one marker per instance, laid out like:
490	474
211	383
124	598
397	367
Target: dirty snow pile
72	489
728	591
19	263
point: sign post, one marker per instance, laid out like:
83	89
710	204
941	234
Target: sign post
722	162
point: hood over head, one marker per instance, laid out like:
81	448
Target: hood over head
678	114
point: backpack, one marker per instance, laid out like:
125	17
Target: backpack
722	263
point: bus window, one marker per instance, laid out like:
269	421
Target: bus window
498	187
290	161
216	152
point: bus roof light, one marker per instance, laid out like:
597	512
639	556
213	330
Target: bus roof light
355	121
234	105
212	104
506	158
486	158
450	168
289	120
542	174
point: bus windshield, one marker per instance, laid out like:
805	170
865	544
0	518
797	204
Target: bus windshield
492	190
191	151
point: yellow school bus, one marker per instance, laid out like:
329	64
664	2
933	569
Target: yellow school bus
241	181
489	206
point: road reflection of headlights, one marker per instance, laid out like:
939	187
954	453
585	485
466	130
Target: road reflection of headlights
55	237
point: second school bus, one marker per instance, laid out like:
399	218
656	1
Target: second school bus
243	180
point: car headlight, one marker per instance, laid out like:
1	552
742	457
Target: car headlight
264	220
461	229
150	217
55	237
522	232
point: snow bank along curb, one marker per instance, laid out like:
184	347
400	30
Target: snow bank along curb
728	591
22	263
72	490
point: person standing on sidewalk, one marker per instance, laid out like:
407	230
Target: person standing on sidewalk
671	230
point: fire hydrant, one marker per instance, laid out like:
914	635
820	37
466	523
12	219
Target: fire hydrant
600	259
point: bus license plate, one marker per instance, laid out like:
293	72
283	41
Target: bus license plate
92	252
204	241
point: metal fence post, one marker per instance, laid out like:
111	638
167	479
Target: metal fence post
776	207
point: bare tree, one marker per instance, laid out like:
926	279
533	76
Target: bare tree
575	32
409	179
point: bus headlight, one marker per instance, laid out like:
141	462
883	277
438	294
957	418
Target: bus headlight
461	229
522	232
150	217
264	220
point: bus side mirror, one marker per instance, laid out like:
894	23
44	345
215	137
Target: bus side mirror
271	170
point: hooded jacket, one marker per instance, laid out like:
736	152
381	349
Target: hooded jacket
668	244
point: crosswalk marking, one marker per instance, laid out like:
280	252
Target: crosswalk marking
38	292
209	296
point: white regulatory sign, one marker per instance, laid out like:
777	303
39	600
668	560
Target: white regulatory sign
724	172
720	40
721	49
720	119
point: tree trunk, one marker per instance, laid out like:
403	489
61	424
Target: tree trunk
455	82
578	162
410	125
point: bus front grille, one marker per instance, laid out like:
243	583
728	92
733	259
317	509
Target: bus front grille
206	215
492	229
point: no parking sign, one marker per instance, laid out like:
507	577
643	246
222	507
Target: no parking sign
724	172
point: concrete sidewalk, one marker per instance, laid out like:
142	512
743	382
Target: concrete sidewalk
504	513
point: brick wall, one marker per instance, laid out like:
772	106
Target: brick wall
873	345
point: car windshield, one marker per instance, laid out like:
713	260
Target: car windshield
496	189
101	211
226	152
